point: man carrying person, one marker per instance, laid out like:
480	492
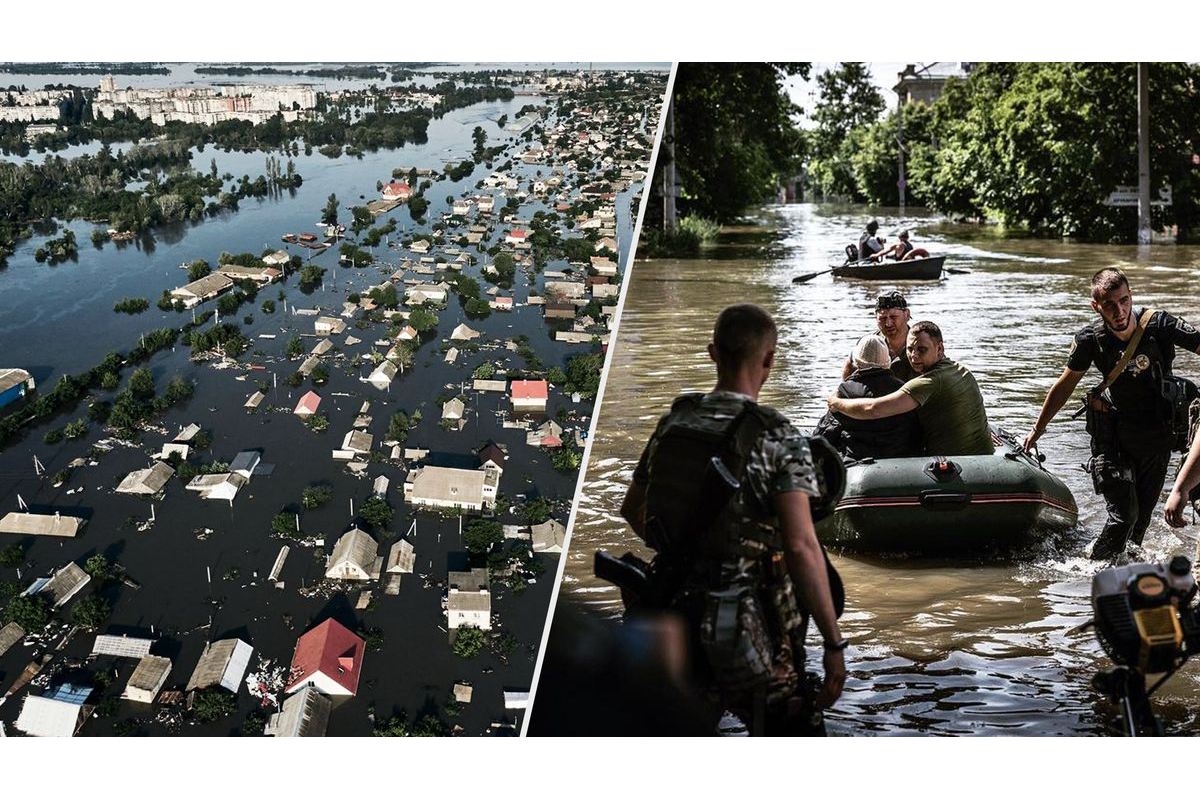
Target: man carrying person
944	394
1129	419
740	551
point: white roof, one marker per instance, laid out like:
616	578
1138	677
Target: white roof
453	409
41	716
463	333
447	484
123	646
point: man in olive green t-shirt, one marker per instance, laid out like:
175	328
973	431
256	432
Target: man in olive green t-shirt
944	394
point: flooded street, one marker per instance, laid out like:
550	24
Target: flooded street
200	570
938	647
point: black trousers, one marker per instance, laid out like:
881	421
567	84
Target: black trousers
1131	503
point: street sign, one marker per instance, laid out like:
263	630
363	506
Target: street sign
1128	196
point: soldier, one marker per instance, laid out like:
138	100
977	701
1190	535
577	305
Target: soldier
1129	420
734	536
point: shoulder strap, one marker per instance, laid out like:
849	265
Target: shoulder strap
1130	349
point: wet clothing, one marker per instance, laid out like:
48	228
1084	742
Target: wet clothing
891	437
1141	452
731	552
950	407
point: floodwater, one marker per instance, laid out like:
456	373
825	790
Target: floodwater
940	647
58	319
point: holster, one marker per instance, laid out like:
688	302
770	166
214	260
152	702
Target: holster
1101	422
1108	472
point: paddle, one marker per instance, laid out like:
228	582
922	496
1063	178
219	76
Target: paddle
810	276
953	271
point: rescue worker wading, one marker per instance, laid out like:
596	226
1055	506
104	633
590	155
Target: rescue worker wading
735	558
1130	420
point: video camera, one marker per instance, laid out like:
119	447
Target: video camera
1148	623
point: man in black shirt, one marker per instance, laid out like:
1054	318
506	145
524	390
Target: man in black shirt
1129	465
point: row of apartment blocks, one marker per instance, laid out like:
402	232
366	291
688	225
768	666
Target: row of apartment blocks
206	105
43	105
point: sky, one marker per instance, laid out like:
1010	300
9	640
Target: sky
804	92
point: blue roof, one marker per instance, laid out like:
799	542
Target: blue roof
68	693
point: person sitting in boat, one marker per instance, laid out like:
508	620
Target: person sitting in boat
868	244
857	439
891	322
903	250
944	394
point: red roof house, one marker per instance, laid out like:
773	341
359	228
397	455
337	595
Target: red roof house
397	191
516	236
308	405
330	658
529	394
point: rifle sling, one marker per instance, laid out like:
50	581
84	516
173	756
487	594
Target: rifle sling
1130	349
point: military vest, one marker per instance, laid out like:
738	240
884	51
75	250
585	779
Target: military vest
697	508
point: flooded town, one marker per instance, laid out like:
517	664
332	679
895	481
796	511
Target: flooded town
298	368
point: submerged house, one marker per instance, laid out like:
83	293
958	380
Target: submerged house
147	481
353	557
329	658
196	292
306	713
469	600
449	487
223	663
14	383
147	679
59	712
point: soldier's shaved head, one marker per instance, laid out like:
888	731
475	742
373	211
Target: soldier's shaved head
743	332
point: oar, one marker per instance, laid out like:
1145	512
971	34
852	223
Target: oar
810	276
953	271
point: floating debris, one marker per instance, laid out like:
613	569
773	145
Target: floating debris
266	682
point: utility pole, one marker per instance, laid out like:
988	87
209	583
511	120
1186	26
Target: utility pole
669	177
1143	110
902	180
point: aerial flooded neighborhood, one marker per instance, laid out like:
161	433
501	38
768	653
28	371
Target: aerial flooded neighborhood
298	369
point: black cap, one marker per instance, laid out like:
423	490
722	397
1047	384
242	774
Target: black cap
892	299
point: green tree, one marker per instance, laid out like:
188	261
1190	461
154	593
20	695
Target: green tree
99	567
429	725
468	642
396	726
91	612
329	215
1043	144
566	459
12	556
479	535
537	511
376	511
735	136
198	269
398	427
848	101
875	155
422	319
141	383
316	496
213	703
295	348
31	612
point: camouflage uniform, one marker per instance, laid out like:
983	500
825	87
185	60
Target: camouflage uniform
742	547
